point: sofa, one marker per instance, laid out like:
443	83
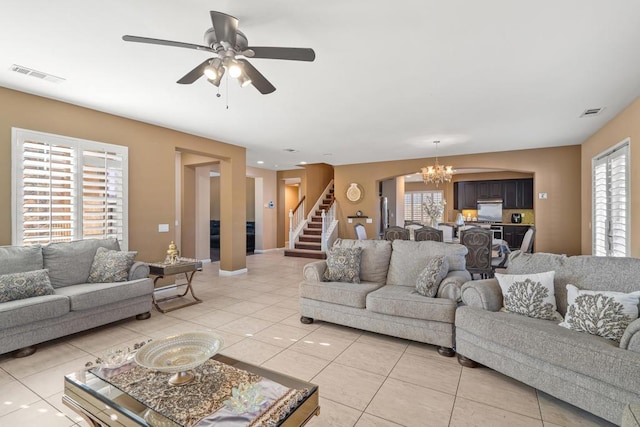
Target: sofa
68	303
386	301
596	374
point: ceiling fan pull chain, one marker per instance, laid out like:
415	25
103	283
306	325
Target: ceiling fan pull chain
227	89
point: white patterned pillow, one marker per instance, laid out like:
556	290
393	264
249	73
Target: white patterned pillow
606	314
15	286
111	266
343	265
531	295
431	276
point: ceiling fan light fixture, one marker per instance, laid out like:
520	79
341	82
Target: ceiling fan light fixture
210	72
244	80
235	69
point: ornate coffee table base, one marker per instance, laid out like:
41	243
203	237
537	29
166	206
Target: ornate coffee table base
189	289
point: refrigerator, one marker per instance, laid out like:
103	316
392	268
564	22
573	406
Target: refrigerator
384	215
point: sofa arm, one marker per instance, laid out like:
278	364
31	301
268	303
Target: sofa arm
314	271
631	337
139	270
451	286
485	294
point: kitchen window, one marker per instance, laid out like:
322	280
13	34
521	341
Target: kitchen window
67	189
413	204
611	201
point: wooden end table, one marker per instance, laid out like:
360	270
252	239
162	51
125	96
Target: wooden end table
183	265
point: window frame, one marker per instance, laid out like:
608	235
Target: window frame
424	219
623	148
78	146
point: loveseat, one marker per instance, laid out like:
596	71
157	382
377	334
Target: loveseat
64	303
594	373
386	301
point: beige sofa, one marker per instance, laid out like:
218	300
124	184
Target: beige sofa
386	300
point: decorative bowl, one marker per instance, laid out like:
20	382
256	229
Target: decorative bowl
179	354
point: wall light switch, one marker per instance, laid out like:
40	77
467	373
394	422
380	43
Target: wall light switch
350	220
369	220
542	196
163	228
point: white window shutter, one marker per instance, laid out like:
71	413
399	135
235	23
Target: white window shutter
611	202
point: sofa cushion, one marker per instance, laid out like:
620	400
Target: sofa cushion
615	274
405	301
529	294
18	259
69	263
24	311
28	284
350	294
376	254
343	265
606	314
431	276
409	258
111	266
90	295
544	340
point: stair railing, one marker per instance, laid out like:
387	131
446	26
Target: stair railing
296	222
329	227
323	196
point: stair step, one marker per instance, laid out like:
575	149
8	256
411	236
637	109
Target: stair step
312	231
304	253
314	239
315	225
308	245
316	219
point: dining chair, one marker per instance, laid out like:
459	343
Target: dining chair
394	232
527	241
447	232
361	232
428	233
479	242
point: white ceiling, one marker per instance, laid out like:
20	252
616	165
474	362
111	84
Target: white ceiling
389	77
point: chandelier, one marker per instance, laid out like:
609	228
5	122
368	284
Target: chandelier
436	173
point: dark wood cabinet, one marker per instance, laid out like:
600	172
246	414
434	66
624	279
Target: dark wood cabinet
515	193
465	196
488	190
514	235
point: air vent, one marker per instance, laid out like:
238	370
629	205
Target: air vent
290	150
592	112
35	73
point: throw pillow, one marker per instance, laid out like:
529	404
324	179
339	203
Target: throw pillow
343	265
29	284
111	266
531	295
606	314
431	276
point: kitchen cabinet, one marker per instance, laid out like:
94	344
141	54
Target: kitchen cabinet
464	195
525	194
510	194
514	235
488	190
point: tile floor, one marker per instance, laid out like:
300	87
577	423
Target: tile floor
365	379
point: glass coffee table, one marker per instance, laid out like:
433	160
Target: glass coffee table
102	404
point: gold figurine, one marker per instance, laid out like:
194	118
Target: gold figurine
172	254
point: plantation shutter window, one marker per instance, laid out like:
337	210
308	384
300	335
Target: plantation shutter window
67	189
611	202
413	204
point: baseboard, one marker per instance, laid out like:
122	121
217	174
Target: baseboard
263	251
233	273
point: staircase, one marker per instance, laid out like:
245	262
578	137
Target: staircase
309	244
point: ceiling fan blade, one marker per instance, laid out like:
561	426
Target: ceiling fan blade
194	74
225	26
148	40
257	80
290	53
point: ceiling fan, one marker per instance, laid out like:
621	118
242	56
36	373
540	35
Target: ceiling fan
230	47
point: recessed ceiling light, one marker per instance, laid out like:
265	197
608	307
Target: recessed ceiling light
408	176
260	162
303	163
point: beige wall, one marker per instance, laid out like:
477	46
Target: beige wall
266	190
151	169
318	176
624	125
281	212
214	199
556	171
